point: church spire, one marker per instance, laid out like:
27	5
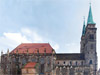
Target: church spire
83	32
90	17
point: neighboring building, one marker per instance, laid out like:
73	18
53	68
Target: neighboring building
85	62
51	63
30	69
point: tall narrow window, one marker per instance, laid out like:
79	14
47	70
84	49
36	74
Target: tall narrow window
76	63
90	62
42	68
23	61
70	63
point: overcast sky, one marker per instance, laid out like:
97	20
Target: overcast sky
58	22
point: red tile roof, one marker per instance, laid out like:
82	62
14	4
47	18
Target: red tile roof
30	65
33	48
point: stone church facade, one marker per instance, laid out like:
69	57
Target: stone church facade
52	63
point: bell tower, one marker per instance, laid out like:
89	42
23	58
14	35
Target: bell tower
88	42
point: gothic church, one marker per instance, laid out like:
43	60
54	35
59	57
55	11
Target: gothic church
41	58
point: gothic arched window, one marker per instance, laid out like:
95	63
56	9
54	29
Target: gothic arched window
76	63
23	61
70	63
90	62
42	61
42	69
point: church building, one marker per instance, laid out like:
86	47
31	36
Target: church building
41	58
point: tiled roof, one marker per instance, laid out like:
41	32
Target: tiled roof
30	65
33	48
70	56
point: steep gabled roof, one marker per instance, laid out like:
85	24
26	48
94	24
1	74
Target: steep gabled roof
70	56
33	48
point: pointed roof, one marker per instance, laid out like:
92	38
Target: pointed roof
83	32
90	17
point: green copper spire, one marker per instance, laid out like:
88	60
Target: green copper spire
90	17
83	32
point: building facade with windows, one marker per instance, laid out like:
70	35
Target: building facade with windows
85	62
52	63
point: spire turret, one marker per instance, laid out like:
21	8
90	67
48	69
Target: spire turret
83	32
90	17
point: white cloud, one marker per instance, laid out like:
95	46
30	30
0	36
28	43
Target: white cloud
33	35
16	37
11	40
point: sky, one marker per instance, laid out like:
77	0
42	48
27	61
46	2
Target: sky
58	22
